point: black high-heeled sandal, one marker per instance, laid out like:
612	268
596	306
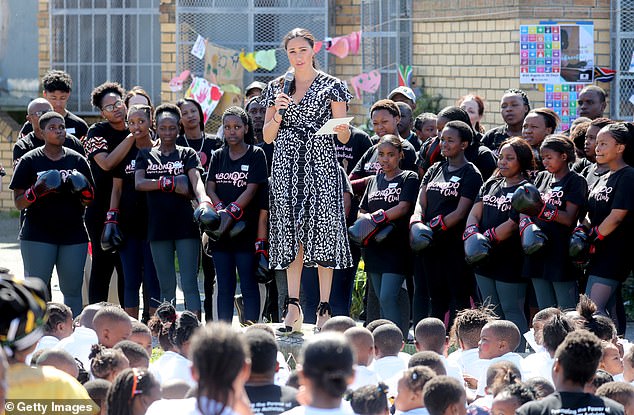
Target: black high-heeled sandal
324	312
295	326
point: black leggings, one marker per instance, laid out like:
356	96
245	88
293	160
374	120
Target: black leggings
103	264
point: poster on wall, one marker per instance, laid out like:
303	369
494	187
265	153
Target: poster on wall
552	53
562	98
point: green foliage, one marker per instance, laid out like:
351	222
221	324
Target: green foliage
426	102
358	291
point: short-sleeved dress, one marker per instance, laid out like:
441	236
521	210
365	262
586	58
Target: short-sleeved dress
306	191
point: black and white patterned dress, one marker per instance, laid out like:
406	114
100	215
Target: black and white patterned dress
306	192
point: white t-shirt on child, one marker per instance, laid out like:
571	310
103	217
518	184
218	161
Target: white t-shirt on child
172	365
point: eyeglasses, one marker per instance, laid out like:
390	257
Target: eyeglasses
135	382
39	113
111	107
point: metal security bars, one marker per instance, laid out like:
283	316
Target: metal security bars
622	105
387	41
248	25
100	40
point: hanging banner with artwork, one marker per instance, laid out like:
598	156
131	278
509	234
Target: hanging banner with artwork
562	98
208	95
366	82
222	66
552	53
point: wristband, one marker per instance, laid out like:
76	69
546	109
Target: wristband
262	247
166	183
379	217
112	216
491	235
30	195
219	206
548	213
470	231
524	223
234	210
438	223
595	234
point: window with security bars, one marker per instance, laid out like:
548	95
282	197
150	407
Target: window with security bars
387	41
106	40
622	52
249	25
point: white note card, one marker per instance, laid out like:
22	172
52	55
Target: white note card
329	127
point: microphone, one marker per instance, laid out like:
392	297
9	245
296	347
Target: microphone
289	77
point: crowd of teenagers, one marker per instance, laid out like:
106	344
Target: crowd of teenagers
102	362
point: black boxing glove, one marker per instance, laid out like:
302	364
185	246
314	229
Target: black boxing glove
207	218
420	236
47	182
263	274
533	238
111	237
227	224
78	184
476	245
365	228
579	247
527	200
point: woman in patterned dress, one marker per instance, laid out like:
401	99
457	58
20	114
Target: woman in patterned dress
307	222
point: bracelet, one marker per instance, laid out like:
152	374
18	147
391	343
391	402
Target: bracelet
276	121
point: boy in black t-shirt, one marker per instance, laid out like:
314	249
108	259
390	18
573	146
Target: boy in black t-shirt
57	86
576	361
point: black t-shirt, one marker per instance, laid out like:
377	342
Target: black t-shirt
571	403
552	261
494	137
132	204
170	215
231	178
74	125
580	164
444	189
613	258
348	154
30	141
57	218
268	152
204	148
390	255
482	157
369	165
429	153
271	399
591	174
414	141
101	138
505	257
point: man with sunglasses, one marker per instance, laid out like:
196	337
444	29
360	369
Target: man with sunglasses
107	143
35	139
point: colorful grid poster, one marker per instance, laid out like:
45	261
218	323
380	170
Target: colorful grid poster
562	98
552	53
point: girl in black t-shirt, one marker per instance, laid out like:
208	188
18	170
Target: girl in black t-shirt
447	193
390	195
610	223
514	106
499	276
538	124
169	174
235	173
128	209
53	184
564	194
192	134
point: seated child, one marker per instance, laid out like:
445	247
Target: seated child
611	360
601	377
136	354
621	392
369	399
499	376
430	335
628	365
444	395
409	394
362	343
388	342
107	363
510	398
541	387
553	333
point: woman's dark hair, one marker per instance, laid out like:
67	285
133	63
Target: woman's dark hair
161	322
478	100
145	109
46	118
369	399
304	34
540	386
561	144
520	391
523	152
201	114
502	374
104	360
454	113
555	331
392	140
57	313
600	326
183	328
622	132
128	384
551	119
387	105
578	136
104	89
218	353
522	94
167	109
137	90
464	130
327	361
249	137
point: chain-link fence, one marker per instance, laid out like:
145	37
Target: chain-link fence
100	40
622	59
387	41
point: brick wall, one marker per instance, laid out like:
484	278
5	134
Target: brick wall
167	20
8	128
465	47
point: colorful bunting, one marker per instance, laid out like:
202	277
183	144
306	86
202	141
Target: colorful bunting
198	50
266	59
339	47
248	61
208	95
354	42
176	84
405	75
366	82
